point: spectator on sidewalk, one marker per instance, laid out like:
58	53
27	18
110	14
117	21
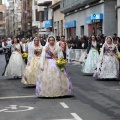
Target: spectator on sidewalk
62	43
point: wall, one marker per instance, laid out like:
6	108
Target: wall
49	13
58	16
110	20
80	17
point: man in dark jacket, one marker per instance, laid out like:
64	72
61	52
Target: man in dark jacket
42	41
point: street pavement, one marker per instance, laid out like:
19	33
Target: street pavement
92	99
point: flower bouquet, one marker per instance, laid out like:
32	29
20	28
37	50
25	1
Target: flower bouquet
25	56
118	56
61	64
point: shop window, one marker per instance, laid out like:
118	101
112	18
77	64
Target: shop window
71	32
82	30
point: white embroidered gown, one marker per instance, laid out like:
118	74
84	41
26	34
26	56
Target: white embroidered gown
16	65
108	64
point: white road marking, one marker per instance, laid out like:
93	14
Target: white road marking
76	116
13	97
28	108
63	119
64	105
14	108
3	110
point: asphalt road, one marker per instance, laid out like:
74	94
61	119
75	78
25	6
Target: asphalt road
92	100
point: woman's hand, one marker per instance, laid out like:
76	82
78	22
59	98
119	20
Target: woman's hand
86	56
47	49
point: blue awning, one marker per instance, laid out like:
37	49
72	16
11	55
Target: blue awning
48	23
70	24
88	20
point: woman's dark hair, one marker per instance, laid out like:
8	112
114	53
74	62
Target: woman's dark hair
51	37
62	36
118	38
13	40
94	36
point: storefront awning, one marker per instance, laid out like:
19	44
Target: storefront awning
70	24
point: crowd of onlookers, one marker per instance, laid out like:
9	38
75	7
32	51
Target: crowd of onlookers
72	42
82	42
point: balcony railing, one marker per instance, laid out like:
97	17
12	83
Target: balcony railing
44	2
40	8
35	23
69	5
55	1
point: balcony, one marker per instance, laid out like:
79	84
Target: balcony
69	5
35	23
40	8
10	0
55	4
55	1
44	2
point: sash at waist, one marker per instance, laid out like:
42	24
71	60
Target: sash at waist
49	57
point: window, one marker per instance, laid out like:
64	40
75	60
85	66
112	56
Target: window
37	15
45	13
28	1
82	30
1	16
41	16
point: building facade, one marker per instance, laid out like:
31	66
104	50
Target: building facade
46	17
58	19
36	24
13	18
10	28
17	17
26	18
2	19
87	17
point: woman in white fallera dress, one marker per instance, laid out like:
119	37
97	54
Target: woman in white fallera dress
92	54
33	65
16	65
51	81
108	64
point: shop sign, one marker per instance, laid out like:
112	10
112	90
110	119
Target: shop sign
95	21
98	16
48	23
